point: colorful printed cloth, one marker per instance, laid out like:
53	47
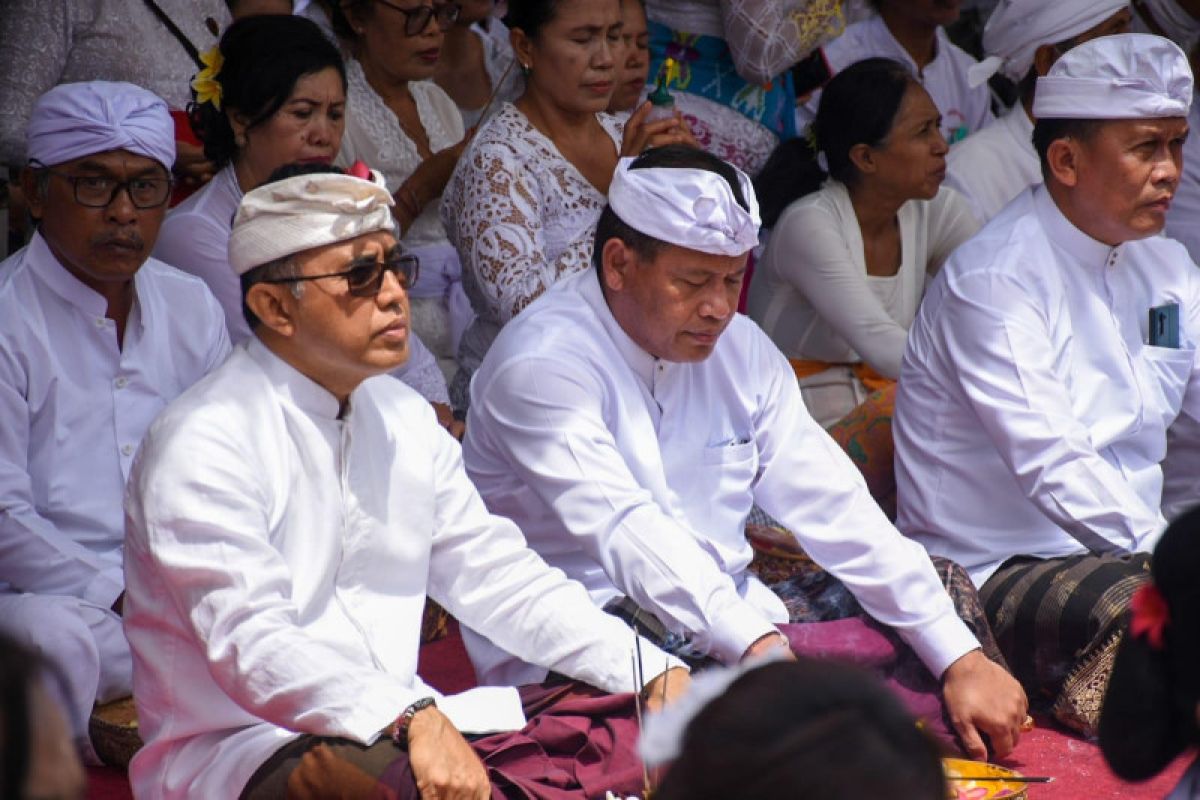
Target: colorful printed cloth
866	436
706	69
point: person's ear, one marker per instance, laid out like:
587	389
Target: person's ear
1063	158
34	191
1044	58
240	123
863	158
274	305
616	260
522	47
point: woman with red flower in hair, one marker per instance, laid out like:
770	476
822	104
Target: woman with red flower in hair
1151	712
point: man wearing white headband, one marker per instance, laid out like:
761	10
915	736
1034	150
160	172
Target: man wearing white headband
629	419
95	338
1046	364
288	517
1022	40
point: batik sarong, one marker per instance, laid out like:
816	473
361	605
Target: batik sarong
1058	621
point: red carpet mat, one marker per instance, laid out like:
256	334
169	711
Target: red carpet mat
1079	771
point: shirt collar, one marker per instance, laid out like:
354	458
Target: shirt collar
305	393
941	42
641	362
55	276
1074	243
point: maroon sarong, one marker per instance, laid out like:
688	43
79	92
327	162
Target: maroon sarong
579	743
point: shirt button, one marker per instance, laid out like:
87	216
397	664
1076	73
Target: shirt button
127	450
100	322
121	382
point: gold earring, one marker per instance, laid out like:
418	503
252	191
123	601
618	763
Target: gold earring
239	140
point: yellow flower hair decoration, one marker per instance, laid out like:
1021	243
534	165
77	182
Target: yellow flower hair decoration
205	84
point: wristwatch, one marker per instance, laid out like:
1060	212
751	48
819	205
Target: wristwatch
400	732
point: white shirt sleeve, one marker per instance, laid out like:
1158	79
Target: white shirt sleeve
549	420
809	485
34	555
1004	365
483	572
951	222
233	588
823	269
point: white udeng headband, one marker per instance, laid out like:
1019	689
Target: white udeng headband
688	207
304	212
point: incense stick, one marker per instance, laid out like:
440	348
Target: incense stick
495	93
1009	779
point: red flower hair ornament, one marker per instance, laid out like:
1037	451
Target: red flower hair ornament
1150	615
359	170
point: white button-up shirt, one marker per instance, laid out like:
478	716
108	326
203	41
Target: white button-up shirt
635	477
965	109
993	166
277	563
1031	415
74	406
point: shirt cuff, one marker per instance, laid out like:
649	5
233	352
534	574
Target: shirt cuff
942	642
738	627
365	723
105	587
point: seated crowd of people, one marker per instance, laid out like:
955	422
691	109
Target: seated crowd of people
329	310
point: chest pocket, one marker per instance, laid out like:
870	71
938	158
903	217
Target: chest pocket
1170	370
737	461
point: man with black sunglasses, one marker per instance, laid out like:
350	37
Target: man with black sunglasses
95	338
288	517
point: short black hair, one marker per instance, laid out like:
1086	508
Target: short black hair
814	729
675	156
280	268
1149	713
1047	131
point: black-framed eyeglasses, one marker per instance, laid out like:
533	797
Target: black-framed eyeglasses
364	277
98	191
417	19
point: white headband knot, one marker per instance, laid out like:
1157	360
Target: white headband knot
1017	28
689	207
304	212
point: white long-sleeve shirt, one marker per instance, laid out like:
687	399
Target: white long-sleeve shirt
811	292
74	407
195	238
964	109
1031	415
277	563
635	477
993	166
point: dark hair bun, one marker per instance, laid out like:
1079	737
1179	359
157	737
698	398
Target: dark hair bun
263	56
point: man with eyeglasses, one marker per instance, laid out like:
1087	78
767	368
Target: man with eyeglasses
95	338
288	517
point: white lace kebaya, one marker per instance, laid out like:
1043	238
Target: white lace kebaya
522	217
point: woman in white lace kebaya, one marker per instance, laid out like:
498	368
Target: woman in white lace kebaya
282	95
404	125
523	203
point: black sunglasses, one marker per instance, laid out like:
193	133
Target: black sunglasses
417	19
364	278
